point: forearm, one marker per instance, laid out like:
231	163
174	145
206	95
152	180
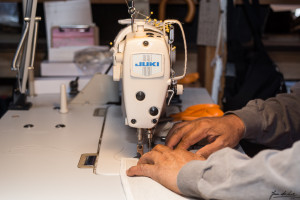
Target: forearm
228	174
274	122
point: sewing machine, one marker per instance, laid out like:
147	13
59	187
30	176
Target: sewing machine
143	59
40	147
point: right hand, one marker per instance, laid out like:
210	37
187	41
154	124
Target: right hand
219	132
163	164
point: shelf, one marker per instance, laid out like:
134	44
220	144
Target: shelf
282	42
113	1
294	2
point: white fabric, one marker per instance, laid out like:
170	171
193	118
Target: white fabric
217	79
137	188
217	61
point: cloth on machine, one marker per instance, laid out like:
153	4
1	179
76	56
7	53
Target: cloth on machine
136	188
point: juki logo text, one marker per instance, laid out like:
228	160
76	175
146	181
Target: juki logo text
146	64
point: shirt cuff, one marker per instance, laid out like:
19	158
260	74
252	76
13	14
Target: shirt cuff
188	177
252	120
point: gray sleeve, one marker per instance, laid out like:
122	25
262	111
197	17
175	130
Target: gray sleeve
228	174
274	123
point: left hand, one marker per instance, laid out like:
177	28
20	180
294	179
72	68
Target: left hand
219	132
163	164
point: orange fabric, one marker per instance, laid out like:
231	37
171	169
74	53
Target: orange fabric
189	78
197	111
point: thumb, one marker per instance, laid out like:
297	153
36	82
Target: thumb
190	139
207	150
140	170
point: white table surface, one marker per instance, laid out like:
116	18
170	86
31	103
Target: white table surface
41	162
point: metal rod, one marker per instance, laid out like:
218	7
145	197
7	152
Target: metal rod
36	28
131	11
31	13
140	147
150	136
21	43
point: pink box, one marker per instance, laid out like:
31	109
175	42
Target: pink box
73	36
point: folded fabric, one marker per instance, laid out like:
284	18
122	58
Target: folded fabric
137	188
197	111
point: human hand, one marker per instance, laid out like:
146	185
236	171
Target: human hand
219	132
163	164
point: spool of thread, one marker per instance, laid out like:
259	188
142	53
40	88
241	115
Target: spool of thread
63	99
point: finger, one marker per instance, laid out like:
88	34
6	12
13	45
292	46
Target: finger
161	148
207	150
175	136
141	170
194	136
149	158
174	129
178	125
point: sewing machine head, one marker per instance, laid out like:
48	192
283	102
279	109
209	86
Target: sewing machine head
143	57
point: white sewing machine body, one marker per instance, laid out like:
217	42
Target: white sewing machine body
145	78
143	55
